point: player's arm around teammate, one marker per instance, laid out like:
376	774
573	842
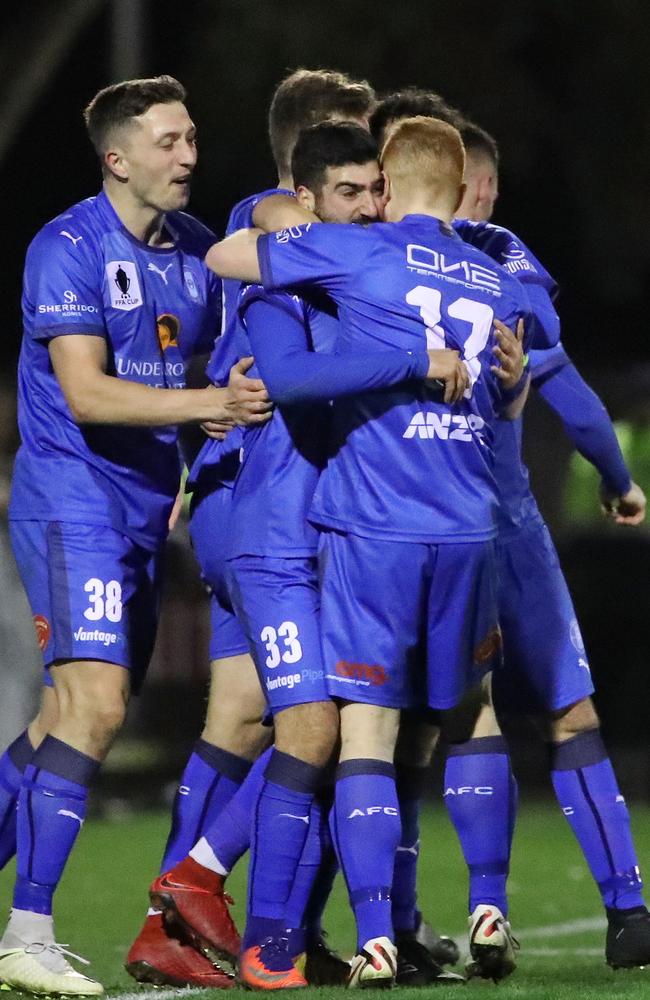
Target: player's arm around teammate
116	301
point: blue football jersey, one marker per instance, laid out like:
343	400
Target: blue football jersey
218	461
508	250
403	464
282	459
155	307
512	253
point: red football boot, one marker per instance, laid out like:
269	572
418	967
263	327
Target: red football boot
196	908
157	957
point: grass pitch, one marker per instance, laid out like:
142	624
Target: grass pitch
555	909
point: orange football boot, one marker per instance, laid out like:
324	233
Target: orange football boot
268	966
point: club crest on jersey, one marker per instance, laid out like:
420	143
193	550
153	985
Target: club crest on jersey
190	284
123	284
576	636
168	327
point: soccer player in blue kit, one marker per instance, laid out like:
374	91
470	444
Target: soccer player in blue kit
431	504
545	671
116	302
273	549
232	736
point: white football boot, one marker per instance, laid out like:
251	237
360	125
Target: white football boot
492	945
375	965
43	969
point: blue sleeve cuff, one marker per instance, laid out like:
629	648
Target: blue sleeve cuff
264	260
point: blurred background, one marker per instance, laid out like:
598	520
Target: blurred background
563	87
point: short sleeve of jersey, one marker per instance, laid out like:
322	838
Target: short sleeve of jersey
508	250
63	287
323	255
544	363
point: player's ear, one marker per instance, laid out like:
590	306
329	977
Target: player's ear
116	164
305	197
461	194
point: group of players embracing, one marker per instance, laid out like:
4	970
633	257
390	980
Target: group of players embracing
378	568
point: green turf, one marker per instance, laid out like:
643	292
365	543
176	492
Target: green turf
103	898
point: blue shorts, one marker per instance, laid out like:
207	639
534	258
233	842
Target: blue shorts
277	601
406	624
209	515
94	593
545	666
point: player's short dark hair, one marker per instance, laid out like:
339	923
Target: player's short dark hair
114	106
478	142
410	103
329	144
309	96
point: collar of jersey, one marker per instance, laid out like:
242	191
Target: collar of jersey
111	215
443	227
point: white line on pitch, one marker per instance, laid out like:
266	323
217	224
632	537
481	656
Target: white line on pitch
171	994
564	929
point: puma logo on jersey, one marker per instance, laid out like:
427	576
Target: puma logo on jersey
163	274
73	239
445	426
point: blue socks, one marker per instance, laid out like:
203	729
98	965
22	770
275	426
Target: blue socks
230	836
280	826
481	798
366	829
325	875
12	766
587	791
210	779
51	811
411	783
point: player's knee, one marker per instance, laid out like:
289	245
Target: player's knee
368	731
573	720
248	738
309	732
92	697
417	739
473	717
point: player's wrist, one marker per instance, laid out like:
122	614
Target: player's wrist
214	403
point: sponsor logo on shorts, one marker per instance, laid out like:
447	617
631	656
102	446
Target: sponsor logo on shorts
305	676
576	636
123	285
364	674
287	681
373	810
43	631
488	648
168	327
95	635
